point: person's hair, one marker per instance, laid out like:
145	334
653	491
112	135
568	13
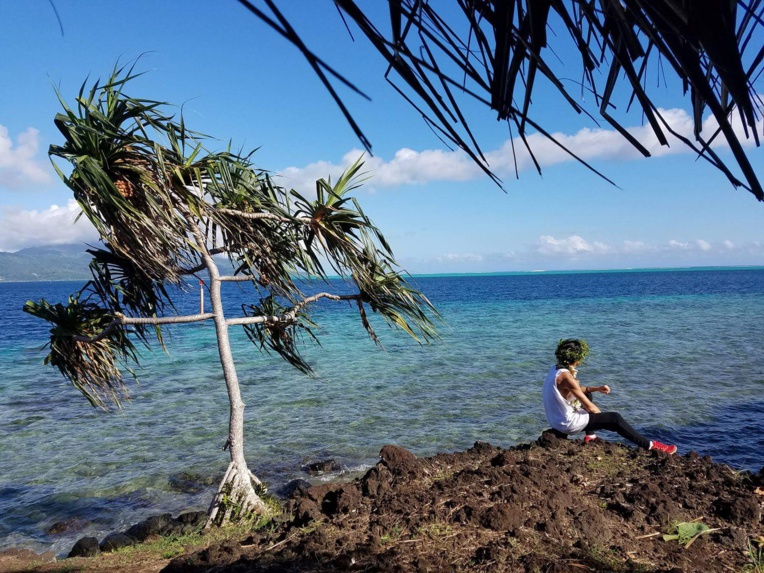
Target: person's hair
570	351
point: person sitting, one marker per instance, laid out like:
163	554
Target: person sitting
569	407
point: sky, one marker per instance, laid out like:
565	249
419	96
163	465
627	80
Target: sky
237	80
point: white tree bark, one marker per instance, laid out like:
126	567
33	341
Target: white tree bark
236	492
236	496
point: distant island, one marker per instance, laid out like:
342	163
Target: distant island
70	263
51	263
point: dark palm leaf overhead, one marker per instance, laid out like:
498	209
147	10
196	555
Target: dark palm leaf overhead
495	50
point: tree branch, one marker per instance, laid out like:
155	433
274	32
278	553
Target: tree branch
201	266
121	319
256	216
290	315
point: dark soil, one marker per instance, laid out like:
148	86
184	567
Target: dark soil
552	506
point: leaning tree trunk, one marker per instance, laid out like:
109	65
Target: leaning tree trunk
236	497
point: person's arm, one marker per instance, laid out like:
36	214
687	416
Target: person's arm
567	383
605	389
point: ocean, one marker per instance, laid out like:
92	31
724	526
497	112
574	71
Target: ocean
679	349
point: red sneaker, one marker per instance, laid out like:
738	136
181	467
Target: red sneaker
590	438
662	447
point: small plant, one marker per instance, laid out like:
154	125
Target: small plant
392	535
688	532
605	558
435	530
755	554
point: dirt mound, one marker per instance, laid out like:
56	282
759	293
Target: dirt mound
554	505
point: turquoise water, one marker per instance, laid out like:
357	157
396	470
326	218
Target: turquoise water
680	351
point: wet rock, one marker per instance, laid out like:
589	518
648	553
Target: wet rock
85	547
483	448
193	518
154	525
322	467
189	483
68	525
115	541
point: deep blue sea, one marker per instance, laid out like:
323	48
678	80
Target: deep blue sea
681	351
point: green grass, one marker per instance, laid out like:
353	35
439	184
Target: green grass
756	556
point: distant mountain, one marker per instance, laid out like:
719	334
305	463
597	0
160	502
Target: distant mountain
57	263
51	263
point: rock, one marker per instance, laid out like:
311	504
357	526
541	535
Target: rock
397	459
322	467
174	528
154	525
194	518
115	541
85	547
376	482
483	448
68	525
593	527
294	487
551	438
740	510
216	555
345	499
189	483
306	511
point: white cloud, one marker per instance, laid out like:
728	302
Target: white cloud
18	165
570	246
577	248
674	244
461	258
53	226
407	167
419	167
635	247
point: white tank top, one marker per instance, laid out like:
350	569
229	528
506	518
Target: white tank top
563	415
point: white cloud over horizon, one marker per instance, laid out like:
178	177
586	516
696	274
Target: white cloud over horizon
409	167
20	228
19	166
576	252
575	246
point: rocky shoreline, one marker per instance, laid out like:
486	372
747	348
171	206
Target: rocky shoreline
553	505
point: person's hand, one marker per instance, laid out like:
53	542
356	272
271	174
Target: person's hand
605	389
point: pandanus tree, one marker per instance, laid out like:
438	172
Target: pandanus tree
168	210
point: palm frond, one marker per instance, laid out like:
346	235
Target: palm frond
124	287
496	52
93	367
387	292
279	335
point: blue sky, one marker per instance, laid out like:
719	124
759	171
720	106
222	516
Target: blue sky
238	80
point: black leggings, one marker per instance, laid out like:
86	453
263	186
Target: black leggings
614	422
